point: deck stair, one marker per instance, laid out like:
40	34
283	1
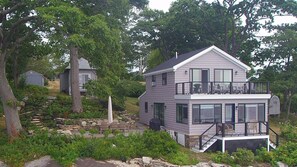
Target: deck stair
208	142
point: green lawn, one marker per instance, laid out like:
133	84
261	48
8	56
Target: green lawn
2	123
132	105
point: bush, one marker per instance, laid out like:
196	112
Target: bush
224	158
289	132
243	157
31	90
67	149
132	88
262	155
287	153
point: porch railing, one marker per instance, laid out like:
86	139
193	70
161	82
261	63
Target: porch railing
222	88
249	129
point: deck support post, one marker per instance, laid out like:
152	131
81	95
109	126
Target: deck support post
245	128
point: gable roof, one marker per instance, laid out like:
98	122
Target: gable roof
175	63
31	72
83	64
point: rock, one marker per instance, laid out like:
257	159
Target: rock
146	160
93	124
83	123
217	165
203	164
2	164
66	132
41	162
280	164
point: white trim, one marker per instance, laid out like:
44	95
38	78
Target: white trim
158	72
222	96
216	49
242	137
142	95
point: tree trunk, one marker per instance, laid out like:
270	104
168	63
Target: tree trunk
9	102
289	106
74	78
15	72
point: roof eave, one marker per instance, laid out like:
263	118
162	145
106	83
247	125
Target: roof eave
158	72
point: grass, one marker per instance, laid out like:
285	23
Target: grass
2	123
54	87
132	106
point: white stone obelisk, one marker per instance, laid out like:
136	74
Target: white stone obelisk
110	118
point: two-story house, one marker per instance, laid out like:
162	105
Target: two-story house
203	99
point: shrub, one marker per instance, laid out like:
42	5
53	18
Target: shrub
287	153
289	132
35	90
132	88
224	158
243	157
262	155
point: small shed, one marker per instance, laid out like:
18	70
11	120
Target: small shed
34	78
274	106
86	73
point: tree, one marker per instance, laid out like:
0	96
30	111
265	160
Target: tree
17	24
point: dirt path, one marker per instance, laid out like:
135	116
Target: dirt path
54	87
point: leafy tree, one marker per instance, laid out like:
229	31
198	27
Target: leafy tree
18	23
281	67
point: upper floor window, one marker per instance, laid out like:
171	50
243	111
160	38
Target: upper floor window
223	75
164	79
153	80
182	113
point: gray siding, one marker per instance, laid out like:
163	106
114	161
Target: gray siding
65	79
161	94
211	61
34	78
196	129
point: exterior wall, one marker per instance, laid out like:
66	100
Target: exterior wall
211	61
64	81
162	94
34	79
197	129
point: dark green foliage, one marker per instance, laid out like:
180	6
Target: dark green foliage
289	132
262	155
66	150
243	157
287	153
221	157
35	90
61	107
132	88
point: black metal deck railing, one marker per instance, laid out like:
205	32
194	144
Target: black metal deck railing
222	88
228	129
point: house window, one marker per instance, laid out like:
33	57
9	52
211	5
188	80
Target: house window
182	113
164	79
146	107
206	113
223	75
153	80
83	79
251	112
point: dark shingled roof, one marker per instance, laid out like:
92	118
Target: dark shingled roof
174	61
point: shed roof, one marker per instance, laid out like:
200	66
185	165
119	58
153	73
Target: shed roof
83	64
31	72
